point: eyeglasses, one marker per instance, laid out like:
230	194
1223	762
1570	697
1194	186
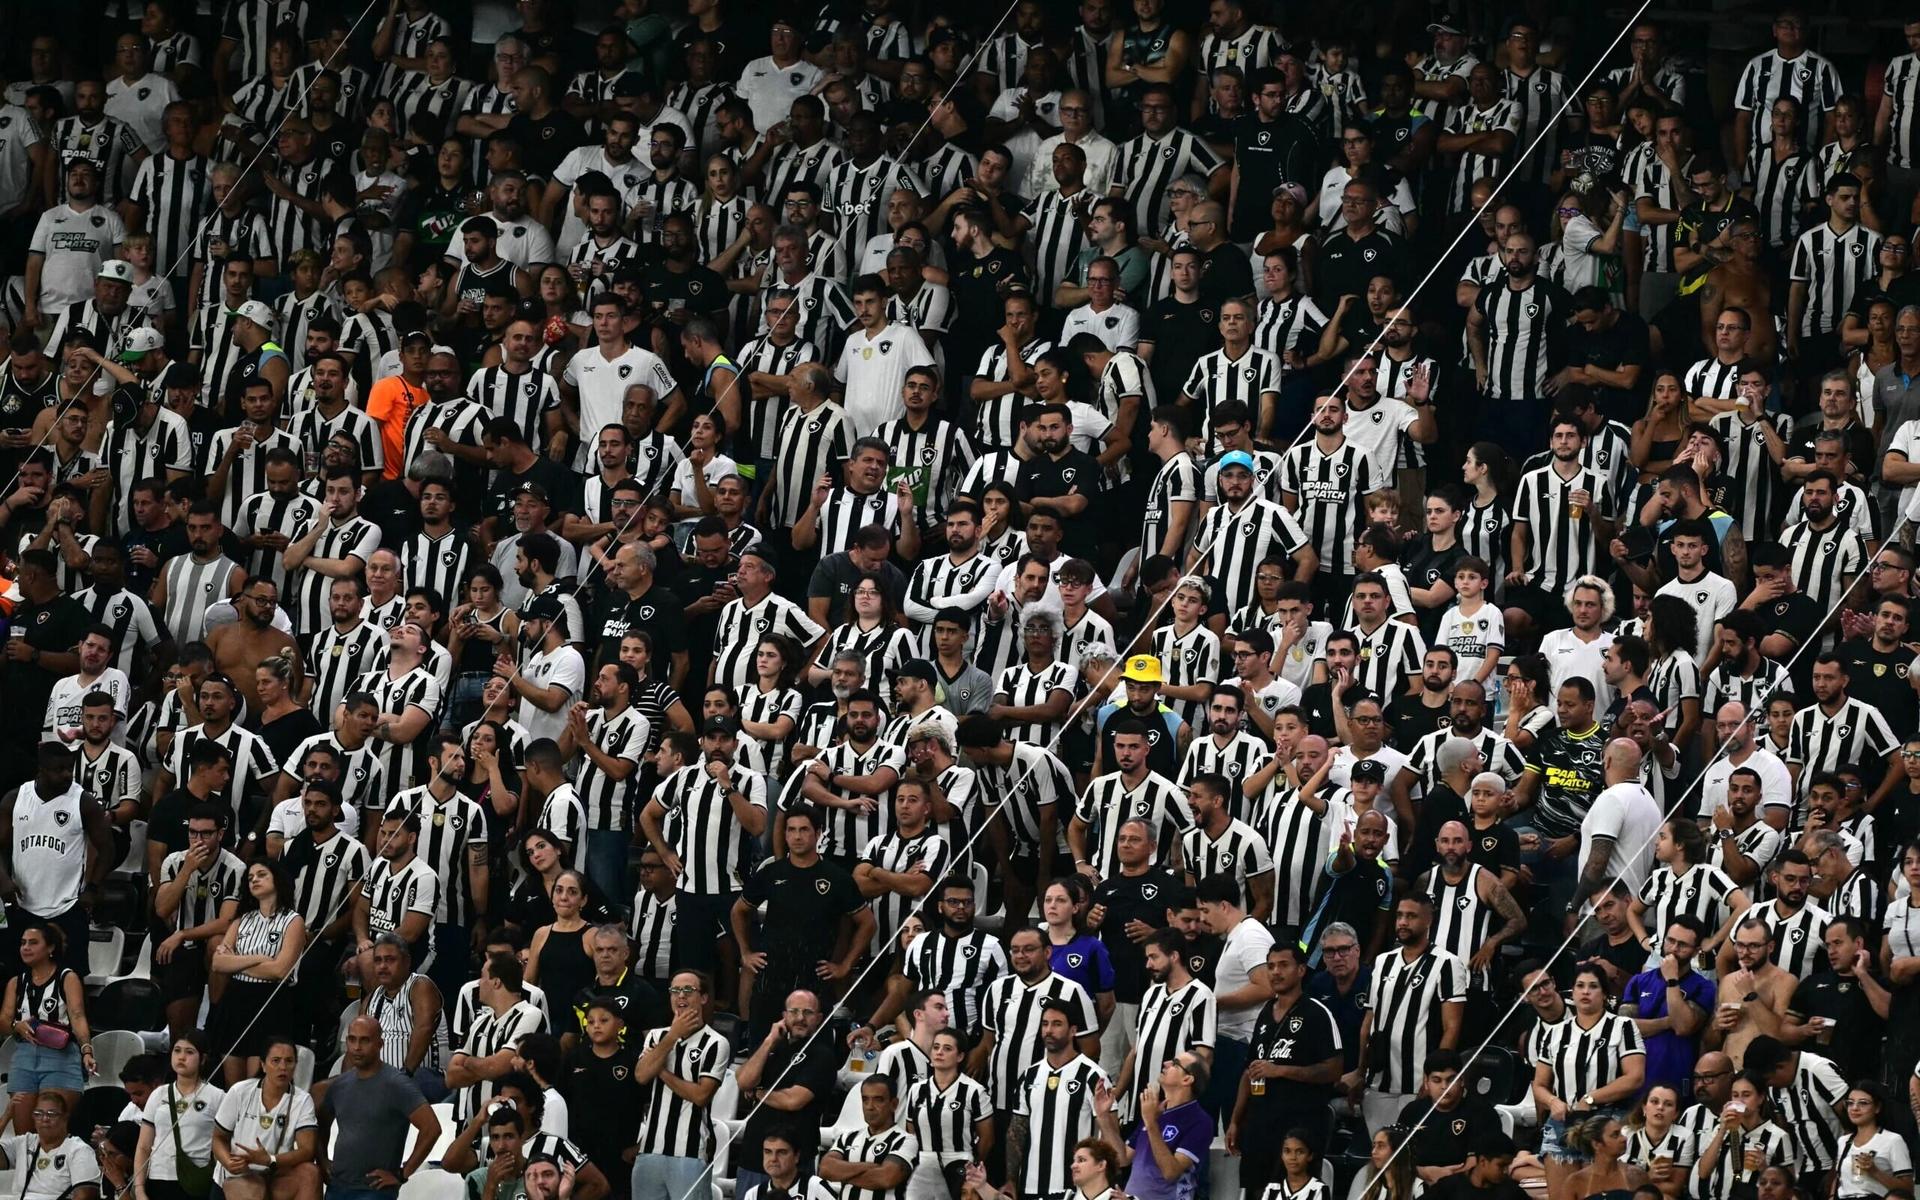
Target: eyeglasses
47	1114
1353	949
1365	720
694	991
803	1012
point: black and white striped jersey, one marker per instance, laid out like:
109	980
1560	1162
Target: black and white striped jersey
405	763
1177	482
652	928
1255	47
394	892
1169	1023
211	336
363	781
269	512
1057	1103
1239	760
206	890
810	443
1033	779
861	1145
1806	1108
1537	98
1282	325
925	853
1582	1058
253	763
1389	656
1328	492
1110	802
335	659
132	455
996	422
1832	264
1496	751
1559	548
1711	379
1901	87
1730	1178
788	164
933	458
741	628
608	799
526	398
823	311
1521	327
325	875
130	617
1058	236
313	429
290	228
849	830
1010	1009
1807	77
1778	186
942	582
1462	921
1145	166
763	414
1405	999
1762	490
857	196
1853	734
699	822
1469	118
1797	937
1239	853
247	472
846	512
944	1119
1022	686
1218	377
1187	659
670	1124
1654	181
441	563
1233	542
1824	560
1700	892
490	1033
175	196
452	833
960	967
358	538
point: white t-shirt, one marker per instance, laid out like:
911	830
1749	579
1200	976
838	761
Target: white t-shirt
1469	637
63	704
1889	1151
289	819
770	89
1711	597
1118	327
603	383
70	1165
874	369
718	467
563	667
17	140
1776	783
1569	657
1245	951
1391	760
75	244
141	106
196	1114
1377	431
250	1123
1627	813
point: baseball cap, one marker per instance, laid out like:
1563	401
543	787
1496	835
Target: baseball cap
726	725
533	489
1369	770
408	339
1298	193
116	270
545	608
139	343
258	313
1142	668
916	669
1236	458
1446	27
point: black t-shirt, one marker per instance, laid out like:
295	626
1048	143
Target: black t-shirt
1448	1136
1425	566
167	824
658	613
696	582
1460	1187
1306	1035
1442	804
1316	702
52	628
601	1098
1625	344
1496	847
1629	955
1854	1042
978	308
556	479
1859	450
1270	153
812	1065
638	1001
734	45
698	289
1179	334
1225	272
805	924
1203	955
1127	898
1412	720
544	141
1073	473
1346	263
1879	678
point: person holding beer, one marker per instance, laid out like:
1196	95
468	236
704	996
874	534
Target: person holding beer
1293	1065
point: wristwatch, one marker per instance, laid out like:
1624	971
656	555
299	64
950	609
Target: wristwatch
1587	1100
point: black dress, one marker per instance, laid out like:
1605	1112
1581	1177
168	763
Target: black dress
565	968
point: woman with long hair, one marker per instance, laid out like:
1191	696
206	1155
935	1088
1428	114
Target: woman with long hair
705	465
1607	1175
266	1130
1490	473
531	905
1872	1159
1388	1174
1685	884
1657	1144
1658	434
721	212
476	633
281	720
46	1007
258	960
1744	1142
1594	1069
174	1160
950	1115
1674	675
1000	537
1075	950
558	958
770	706
1876	352
1529	683
1299	1170
1777	187
874	630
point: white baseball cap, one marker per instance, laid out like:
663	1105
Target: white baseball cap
258	313
139	343
118	270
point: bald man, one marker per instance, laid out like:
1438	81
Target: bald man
1616	835
372	1104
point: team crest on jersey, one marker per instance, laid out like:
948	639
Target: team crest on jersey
1074	960
1265	137
626	369
823	886
1149	891
61	818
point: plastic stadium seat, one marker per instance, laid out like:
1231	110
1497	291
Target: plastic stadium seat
104	947
111	1050
434	1184
131	1003
134	865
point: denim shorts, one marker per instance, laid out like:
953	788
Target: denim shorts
37	1068
1553	1135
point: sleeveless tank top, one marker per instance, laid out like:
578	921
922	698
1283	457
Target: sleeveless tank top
49	850
395	1014
46	1002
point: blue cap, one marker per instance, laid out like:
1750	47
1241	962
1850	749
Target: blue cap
1236	458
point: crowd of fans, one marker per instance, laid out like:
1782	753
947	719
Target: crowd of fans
905	603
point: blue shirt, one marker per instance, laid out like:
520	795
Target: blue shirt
1084	960
1670	1057
1187	1130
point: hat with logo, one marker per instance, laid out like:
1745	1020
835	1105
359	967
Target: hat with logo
1368	770
1142	668
258	313
140	343
116	270
530	488
1446	27
1236	458
723	725
546	608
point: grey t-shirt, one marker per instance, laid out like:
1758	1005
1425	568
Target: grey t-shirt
373	1118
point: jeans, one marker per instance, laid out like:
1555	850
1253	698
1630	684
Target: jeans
607	863
666	1177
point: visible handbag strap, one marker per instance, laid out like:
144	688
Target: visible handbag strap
180	1156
